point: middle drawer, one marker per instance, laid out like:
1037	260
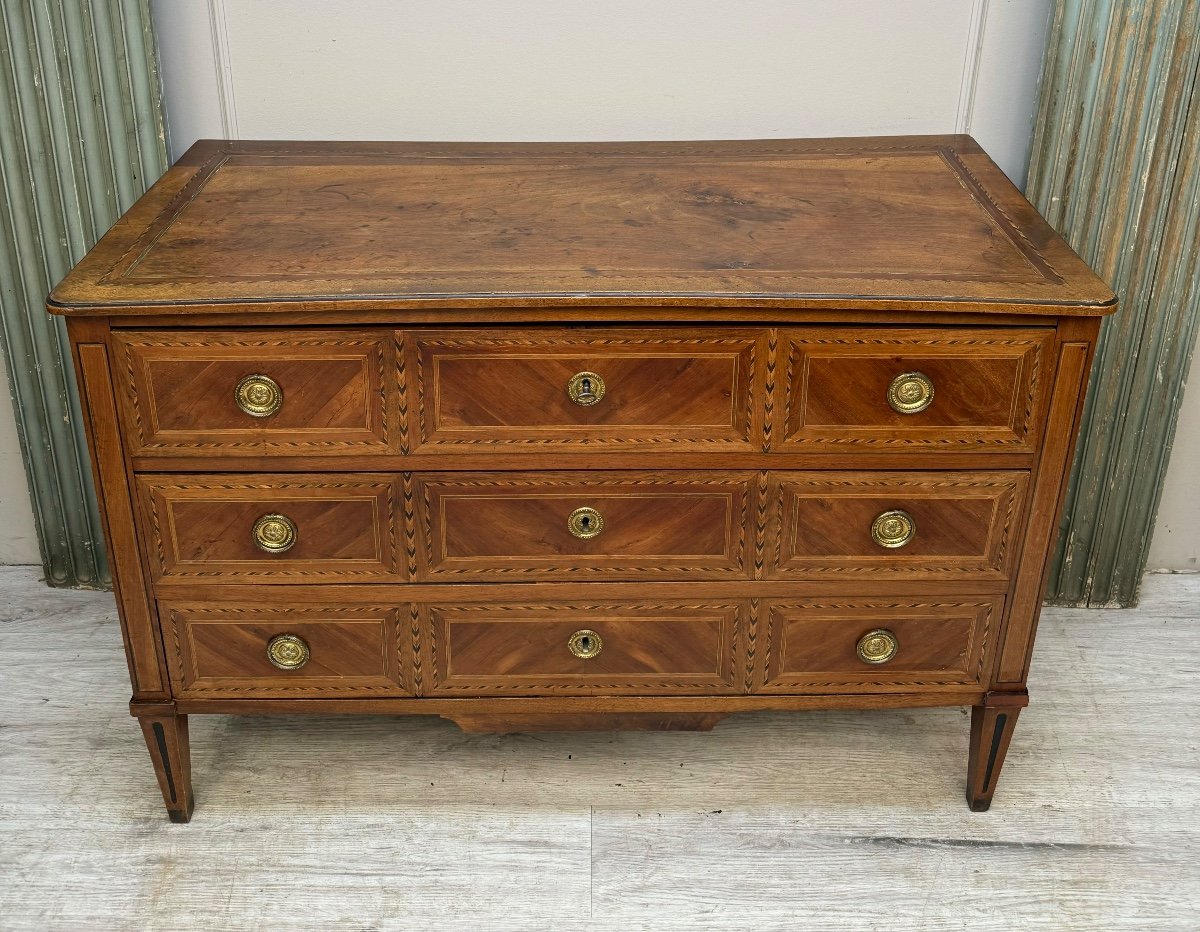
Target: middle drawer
442	527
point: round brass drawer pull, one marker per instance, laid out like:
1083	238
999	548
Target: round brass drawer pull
585	388
910	393
878	646
288	652
258	395
585	644
585	522
274	533
893	529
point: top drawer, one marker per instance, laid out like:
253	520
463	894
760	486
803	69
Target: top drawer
594	389
936	389
257	392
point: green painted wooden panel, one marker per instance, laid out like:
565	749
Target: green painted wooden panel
1114	169
81	136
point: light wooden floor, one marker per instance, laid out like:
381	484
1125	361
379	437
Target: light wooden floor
810	821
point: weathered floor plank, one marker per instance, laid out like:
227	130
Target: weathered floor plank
823	820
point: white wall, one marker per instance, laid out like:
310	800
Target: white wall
1176	541
586	69
18	537
618	69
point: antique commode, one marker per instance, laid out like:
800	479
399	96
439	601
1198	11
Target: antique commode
580	435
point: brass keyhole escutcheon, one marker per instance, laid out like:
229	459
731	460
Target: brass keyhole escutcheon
274	533
585	523
910	393
878	646
288	652
585	388
585	644
893	529
258	395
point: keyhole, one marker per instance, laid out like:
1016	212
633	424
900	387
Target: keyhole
587	387
586	521
585	643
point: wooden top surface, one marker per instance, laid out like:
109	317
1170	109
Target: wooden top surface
871	223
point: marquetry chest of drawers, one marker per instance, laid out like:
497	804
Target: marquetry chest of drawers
580	436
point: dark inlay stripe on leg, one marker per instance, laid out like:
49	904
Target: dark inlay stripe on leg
997	734
161	737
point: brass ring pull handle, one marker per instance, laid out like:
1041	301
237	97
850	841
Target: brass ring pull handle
258	395
878	646
585	388
274	533
288	652
585	644
910	393
893	529
585	523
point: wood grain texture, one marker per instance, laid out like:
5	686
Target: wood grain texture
506	391
810	644
922	219
606	831
143	646
989	389
202	527
340	392
648	648
963	524
220	650
514	526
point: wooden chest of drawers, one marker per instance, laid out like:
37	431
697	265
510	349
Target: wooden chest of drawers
580	436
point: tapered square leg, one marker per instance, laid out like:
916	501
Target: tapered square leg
167	740
992	726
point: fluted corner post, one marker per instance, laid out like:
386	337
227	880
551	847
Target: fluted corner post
81	137
1115	162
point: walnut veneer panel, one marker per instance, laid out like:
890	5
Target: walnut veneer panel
514	526
217	649
202	527
811	644
668	390
339	392
989	389
892	219
648	648
964	524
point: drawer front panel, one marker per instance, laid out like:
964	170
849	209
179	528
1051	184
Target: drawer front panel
527	526
984	389
219	650
642	648
335	393
668	390
205	527
960	524
813	644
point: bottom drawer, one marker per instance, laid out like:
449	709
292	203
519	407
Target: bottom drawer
864	645
577	648
231	650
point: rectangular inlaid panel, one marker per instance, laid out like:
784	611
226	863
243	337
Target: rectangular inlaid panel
664	389
649	648
224	649
918	218
342	527
813	644
957	525
975	389
335	392
529	526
